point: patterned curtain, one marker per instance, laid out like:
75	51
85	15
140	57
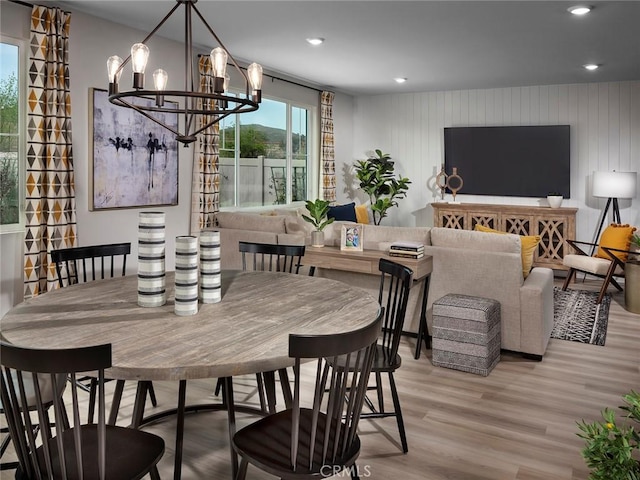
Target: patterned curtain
50	198
327	157
205	186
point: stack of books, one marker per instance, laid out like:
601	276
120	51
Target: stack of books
407	250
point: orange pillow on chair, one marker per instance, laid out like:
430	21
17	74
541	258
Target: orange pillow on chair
616	236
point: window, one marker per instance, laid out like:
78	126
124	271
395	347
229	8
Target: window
265	156
11	135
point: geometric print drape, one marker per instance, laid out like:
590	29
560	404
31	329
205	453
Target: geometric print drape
205	185
50	205
327	158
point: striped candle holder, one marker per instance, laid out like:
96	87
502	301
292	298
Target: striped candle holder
186	292
151	255
210	290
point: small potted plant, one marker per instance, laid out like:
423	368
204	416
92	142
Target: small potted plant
317	217
611	448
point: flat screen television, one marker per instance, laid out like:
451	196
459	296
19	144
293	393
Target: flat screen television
514	161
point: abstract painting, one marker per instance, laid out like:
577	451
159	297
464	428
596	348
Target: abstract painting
134	160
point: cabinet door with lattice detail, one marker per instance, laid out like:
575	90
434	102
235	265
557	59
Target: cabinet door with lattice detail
520	224
452	220
552	247
484	219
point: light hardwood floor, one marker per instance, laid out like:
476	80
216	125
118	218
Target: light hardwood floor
519	423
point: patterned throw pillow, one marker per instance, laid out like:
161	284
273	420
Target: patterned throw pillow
616	236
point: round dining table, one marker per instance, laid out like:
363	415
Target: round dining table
247	332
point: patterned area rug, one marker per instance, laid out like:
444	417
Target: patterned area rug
578	318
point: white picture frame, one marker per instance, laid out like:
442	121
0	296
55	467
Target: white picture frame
351	237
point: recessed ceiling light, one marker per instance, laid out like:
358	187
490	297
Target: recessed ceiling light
400	80
315	41
580	9
591	66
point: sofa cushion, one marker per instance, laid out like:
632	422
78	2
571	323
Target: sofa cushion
472	240
297	226
251	221
529	244
344	213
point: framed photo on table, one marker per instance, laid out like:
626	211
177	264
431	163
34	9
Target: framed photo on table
351	237
133	160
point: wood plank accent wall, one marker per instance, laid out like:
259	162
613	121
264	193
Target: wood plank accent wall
605	135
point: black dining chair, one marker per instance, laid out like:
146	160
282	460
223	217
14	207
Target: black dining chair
317	436
83	264
47	394
268	257
74	450
395	283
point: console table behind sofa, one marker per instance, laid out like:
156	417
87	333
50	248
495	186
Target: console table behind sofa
554	225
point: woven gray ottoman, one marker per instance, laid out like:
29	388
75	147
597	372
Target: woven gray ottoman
466	333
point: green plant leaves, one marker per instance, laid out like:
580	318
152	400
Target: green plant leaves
377	180
318	211
609	450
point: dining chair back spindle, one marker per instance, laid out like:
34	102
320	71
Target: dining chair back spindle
72	450
317	436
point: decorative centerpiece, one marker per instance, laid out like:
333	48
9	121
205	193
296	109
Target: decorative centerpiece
554	199
209	284
186	276
317	217
454	183
376	176
151	253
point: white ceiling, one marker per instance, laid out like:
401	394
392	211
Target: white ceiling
437	45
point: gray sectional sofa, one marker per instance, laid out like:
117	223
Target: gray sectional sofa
466	262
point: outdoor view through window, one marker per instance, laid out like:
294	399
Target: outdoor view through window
9	135
270	167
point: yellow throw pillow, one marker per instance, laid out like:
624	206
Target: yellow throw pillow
529	244
362	214
616	236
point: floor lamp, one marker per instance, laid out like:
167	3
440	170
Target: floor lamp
612	186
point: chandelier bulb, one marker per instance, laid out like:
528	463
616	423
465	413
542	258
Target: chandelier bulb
255	80
139	57
219	61
113	64
160	79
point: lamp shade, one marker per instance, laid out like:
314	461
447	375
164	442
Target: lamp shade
614	184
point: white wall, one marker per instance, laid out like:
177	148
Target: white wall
605	135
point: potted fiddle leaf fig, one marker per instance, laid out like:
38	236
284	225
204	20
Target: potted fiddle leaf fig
317	217
377	179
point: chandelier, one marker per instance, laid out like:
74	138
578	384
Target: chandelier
209	107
